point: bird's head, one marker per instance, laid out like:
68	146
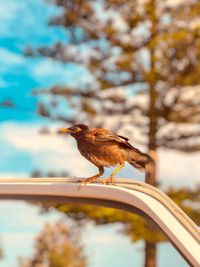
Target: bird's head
75	129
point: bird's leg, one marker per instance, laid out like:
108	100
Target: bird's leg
110	179
92	178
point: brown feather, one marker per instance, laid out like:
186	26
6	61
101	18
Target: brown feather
105	148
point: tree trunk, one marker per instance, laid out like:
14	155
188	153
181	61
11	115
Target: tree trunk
150	254
153	112
150	248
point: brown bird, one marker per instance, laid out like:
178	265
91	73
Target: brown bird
104	148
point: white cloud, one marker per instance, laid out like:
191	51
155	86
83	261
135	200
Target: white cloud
9	58
178	169
48	152
16	245
8	11
47	67
69	73
13	175
19	221
103	239
15	237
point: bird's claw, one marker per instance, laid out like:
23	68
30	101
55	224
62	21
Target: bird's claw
81	184
109	180
87	181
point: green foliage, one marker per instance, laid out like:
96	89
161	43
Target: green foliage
188	200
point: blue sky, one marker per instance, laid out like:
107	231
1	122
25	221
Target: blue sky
23	149
20	75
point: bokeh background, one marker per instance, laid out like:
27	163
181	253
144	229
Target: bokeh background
131	66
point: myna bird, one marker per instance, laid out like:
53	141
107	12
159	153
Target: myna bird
104	148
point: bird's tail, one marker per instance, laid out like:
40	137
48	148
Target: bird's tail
144	163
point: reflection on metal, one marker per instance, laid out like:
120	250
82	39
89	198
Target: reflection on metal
126	194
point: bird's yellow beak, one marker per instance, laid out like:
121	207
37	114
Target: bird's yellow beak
65	130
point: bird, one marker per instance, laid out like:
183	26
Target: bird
104	148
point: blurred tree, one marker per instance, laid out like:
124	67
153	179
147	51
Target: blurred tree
56	246
144	60
38	174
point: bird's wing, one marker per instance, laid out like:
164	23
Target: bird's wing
123	137
106	136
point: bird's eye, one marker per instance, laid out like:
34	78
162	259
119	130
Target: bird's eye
77	129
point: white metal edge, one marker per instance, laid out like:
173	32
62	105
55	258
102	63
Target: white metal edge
181	237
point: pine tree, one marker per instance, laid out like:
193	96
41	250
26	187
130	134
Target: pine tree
144	59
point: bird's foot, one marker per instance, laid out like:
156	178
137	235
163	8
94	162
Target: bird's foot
86	181
109	180
81	184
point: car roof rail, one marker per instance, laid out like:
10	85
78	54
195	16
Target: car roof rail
126	194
